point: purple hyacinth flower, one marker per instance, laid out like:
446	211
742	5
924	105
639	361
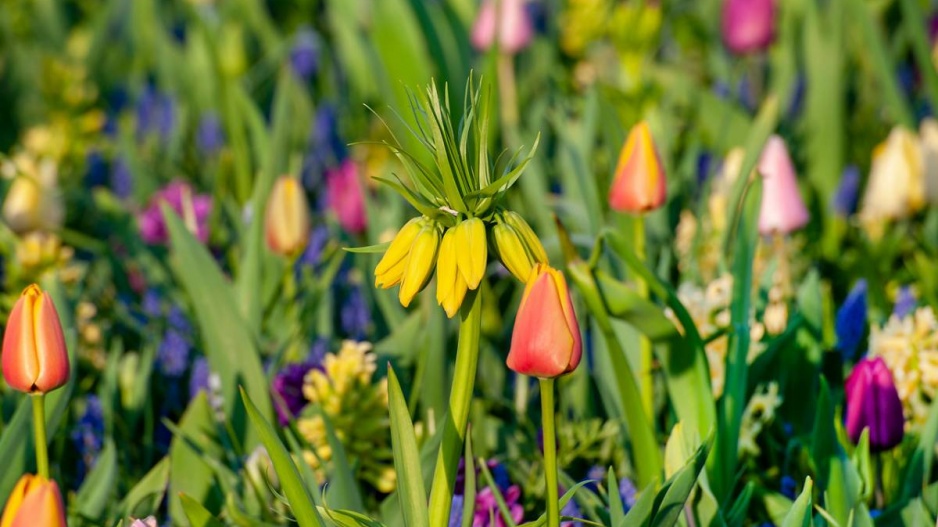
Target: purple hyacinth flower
354	315
572	510
156	114
288	387
209	137
905	302
628	492
873	403
304	55
455	511
96	169
173	354
850	323
88	435
198	378
122	179
845	198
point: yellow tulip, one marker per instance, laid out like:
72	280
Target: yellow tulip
287	218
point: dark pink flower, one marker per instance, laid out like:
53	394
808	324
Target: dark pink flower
873	403
748	25
346	196
193	208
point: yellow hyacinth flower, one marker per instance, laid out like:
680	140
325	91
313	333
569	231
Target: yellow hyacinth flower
470	238
451	286
420	262
390	269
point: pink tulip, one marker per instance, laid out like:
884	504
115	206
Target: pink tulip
193	208
748	25
515	30
347	197
783	211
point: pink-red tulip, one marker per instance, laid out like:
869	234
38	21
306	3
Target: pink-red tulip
34	502
546	340
515	29
639	183
873	403
35	359
782	210
287	219
748	25
346	197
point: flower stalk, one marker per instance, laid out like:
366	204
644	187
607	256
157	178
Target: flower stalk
550	452
454	431
39	427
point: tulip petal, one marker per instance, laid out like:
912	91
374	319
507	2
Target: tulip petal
51	351
20	363
41	506
446	267
15	500
541	343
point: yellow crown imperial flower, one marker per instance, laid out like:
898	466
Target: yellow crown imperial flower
472	253
390	269
451	284
420	262
517	246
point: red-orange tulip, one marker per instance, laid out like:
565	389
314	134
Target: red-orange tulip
639	183
35	501
34	355
546	339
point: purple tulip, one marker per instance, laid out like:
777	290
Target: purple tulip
748	25
873	403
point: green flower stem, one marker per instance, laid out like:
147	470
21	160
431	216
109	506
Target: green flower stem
645	348
39	426
454	428
550	452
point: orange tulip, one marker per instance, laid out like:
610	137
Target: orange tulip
639	182
34	501
35	358
546	339
287	219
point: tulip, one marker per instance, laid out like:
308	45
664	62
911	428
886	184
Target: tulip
748	25
850	323
35	501
895	188
928	139
873	403
390	269
782	209
287	218
516	245
639	183
347	197
546	340
193	208
35	359
149	521
515	29
451	286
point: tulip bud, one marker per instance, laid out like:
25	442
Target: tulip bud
895	188
782	210
34	501
390	269
514	27
451	285
639	183
35	358
748	25
472	253
546	340
287	218
347	197
873	403
420	262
